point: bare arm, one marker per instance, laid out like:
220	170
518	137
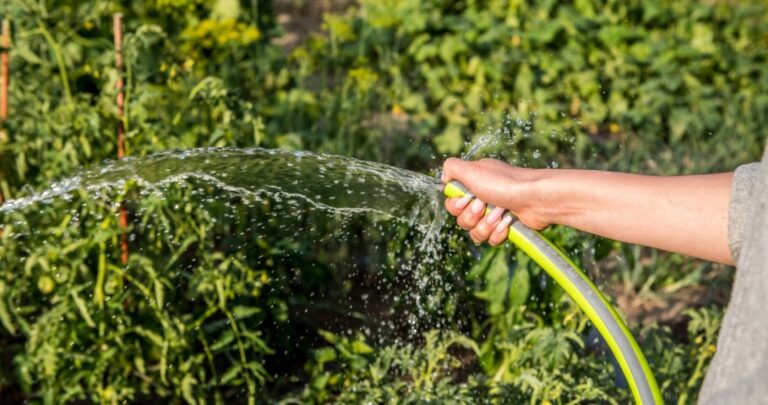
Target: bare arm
683	214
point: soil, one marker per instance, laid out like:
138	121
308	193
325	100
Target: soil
668	308
300	18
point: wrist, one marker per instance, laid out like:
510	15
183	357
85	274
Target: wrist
554	197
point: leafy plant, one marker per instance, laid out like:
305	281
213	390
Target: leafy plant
222	301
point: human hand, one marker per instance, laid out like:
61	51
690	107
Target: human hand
499	184
470	215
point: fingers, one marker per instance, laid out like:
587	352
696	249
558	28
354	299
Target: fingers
494	216
455	206
500	231
482	231
471	215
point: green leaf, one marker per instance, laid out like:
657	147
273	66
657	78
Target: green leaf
360	347
450	46
243	311
325	354
329	337
520	287
23	51
5	315
545	33
231	373
187	384
153	337
524	82
603	247
497	281
319	382
226	338
679	121
83	308
481	267
450	141
159	294
703	38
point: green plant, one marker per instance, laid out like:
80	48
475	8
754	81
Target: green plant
222	301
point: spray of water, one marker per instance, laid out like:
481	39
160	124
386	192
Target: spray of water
327	182
302	180
297	181
500	139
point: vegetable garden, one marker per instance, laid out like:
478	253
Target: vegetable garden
223	300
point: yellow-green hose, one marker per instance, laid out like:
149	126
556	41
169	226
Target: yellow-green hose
586	295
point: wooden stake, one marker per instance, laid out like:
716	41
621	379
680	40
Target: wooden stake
5	44
117	25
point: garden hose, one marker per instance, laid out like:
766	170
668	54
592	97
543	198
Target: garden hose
586	295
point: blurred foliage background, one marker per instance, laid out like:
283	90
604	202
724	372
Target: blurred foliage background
212	306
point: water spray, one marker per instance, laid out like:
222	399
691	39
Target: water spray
633	364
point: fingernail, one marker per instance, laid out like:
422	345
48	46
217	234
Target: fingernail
494	215
504	224
462	202
477	206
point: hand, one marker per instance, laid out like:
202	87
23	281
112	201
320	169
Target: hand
470	216
499	184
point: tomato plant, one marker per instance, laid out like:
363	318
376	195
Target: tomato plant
222	300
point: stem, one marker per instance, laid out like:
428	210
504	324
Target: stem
128	87
243	358
117	24
56	49
98	293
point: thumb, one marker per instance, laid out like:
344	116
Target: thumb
453	169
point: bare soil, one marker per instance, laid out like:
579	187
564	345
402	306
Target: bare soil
300	18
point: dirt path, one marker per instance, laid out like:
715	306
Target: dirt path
300	18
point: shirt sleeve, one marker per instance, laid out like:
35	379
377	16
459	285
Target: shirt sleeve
742	195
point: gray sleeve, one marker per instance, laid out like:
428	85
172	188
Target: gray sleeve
742	194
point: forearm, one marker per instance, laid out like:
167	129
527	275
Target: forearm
683	214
